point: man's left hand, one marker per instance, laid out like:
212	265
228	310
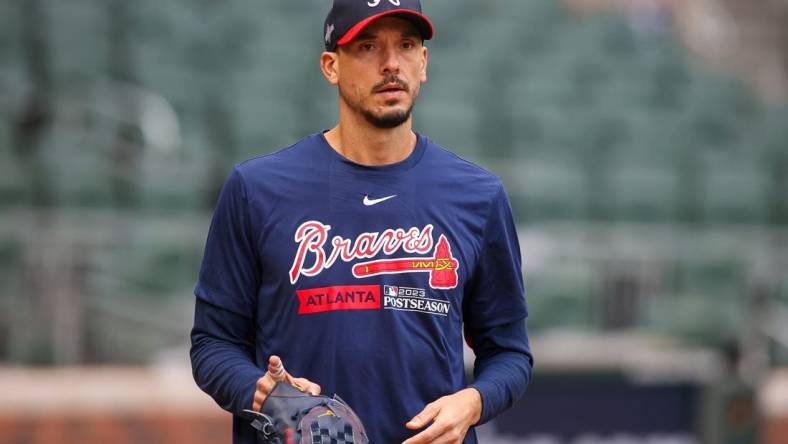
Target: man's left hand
451	417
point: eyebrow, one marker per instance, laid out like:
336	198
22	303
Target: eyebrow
411	33
368	35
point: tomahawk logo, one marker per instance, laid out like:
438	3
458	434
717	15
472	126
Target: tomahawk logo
312	237
374	3
442	267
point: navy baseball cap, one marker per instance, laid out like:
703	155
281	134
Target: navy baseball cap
348	17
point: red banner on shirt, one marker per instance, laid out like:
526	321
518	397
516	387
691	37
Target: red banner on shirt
345	297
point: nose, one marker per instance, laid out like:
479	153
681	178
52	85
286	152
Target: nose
390	62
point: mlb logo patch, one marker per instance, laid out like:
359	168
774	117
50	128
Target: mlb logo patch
390	290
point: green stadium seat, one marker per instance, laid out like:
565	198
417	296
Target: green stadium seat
678	315
10	33
643	193
735	193
14	182
449	68
544	188
171	181
77	54
559	307
651	138
152	268
451	124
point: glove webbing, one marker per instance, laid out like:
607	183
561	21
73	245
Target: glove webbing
322	435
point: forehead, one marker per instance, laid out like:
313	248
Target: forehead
389	24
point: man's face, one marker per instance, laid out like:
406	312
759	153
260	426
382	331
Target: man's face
381	71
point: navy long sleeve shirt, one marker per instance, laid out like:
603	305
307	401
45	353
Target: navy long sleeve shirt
364	280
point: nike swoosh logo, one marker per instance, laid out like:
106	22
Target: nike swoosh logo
369	202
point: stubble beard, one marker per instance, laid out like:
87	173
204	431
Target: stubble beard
387	120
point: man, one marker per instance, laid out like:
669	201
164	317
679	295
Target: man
356	257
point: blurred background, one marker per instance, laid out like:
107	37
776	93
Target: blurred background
644	145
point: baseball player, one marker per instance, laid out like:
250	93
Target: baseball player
360	258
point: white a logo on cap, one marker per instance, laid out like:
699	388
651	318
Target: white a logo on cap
374	3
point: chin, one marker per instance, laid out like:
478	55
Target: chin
388	120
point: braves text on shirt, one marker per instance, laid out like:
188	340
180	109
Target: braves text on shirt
311	237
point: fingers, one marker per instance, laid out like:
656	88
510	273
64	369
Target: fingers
275	368
447	420
437	432
424	417
276	373
306	386
441	431
263	387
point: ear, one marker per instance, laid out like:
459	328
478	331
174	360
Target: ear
329	66
425	58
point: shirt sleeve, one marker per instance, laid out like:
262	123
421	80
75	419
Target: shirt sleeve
494	295
229	276
222	356
494	313
222	349
503	366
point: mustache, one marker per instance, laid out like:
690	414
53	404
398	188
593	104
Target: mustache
391	78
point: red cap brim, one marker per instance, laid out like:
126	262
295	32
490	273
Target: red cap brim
353	32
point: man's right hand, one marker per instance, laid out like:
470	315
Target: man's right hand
277	373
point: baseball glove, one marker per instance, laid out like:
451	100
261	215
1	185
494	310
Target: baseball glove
289	416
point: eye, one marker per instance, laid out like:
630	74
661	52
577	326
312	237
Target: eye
367	46
408	45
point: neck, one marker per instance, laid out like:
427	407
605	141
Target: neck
365	144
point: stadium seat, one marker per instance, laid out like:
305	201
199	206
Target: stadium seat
735	193
450	124
678	314
643	193
563	303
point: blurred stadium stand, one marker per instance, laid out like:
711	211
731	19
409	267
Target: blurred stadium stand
648	172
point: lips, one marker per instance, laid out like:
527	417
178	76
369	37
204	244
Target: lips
390	87
391	92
